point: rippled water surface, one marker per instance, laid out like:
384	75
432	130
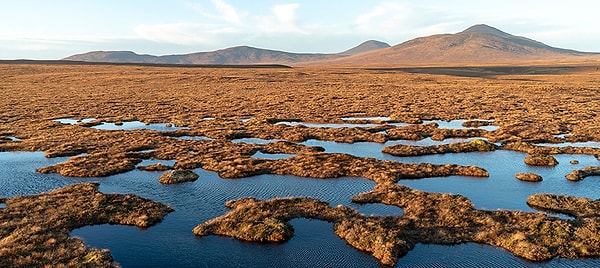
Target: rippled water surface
260	154
172	244
457	124
131	125
332	125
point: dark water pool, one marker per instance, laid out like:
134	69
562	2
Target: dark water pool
331	125
172	244
129	125
260	154
457	124
501	190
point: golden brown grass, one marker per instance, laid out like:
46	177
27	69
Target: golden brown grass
527	108
35	229
428	218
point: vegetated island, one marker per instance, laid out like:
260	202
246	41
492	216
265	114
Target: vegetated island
35	229
428	218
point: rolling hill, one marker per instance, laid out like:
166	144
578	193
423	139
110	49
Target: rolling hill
479	44
230	56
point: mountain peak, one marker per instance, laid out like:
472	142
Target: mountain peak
364	47
483	28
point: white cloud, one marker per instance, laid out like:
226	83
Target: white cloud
227	11
183	33
282	20
222	11
387	19
404	20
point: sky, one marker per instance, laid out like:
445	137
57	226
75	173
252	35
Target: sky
54	29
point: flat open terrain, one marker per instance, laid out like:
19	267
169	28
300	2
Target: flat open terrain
528	104
563	101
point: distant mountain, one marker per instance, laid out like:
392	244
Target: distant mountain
113	56
365	47
478	44
233	55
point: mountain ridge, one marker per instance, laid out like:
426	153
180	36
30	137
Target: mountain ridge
478	44
232	55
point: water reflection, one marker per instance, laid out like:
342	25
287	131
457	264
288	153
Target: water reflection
13	138
373	150
452	124
458	124
591	144
500	191
131	125
375	118
71	121
171	243
194	138
204	199
260	154
254	140
477	255
327	125
313	245
18	176
147	162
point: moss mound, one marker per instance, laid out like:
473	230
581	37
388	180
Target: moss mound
541	160
528	177
177	176
35	229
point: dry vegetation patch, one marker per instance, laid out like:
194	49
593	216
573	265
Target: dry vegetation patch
177	176
35	229
477	145
188	96
580	174
528	177
428	218
541	160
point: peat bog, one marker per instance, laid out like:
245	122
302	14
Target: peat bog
418	128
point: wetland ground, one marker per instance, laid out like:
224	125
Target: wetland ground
552	105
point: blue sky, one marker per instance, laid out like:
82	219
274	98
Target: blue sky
53	29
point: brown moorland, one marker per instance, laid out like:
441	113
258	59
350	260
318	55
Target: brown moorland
215	103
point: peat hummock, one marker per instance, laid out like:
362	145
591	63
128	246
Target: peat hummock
580	174
428	218
528	177
541	160
38	226
177	176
